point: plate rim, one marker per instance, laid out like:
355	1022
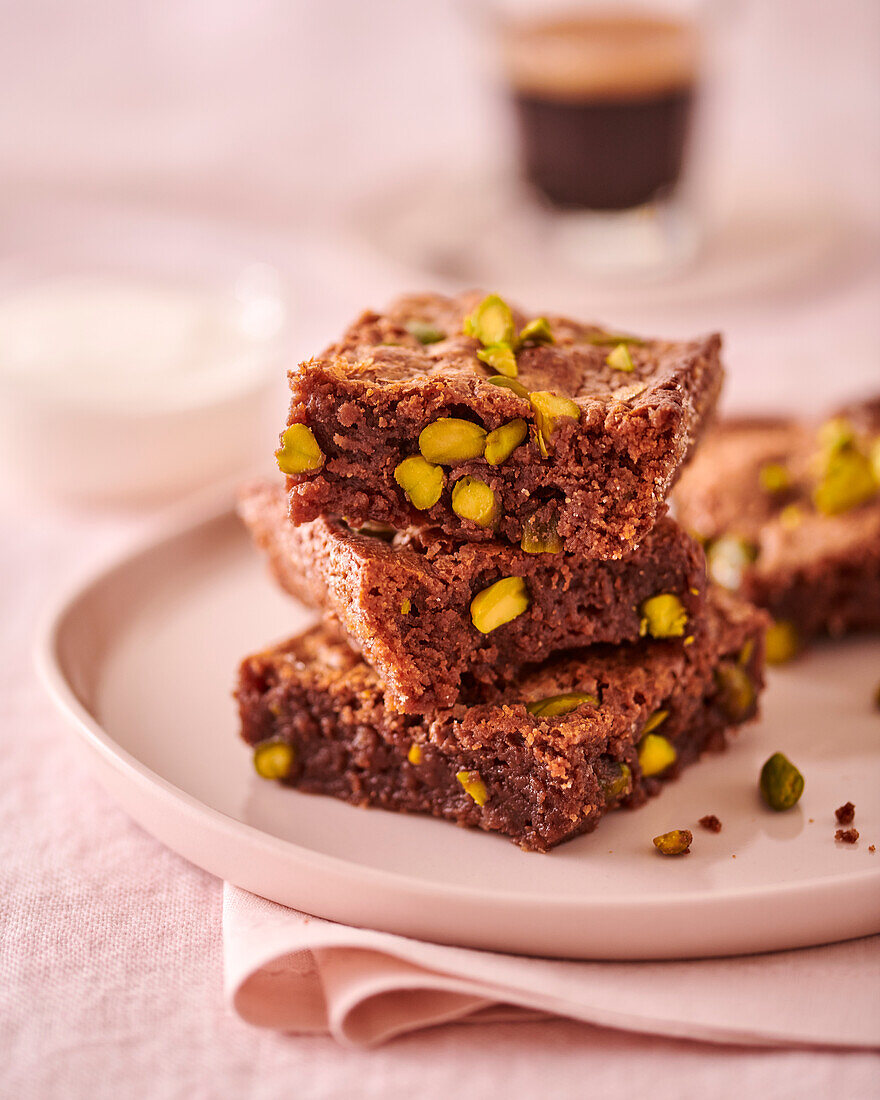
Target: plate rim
184	521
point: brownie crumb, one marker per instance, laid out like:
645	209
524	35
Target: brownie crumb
872	848
845	813
711	823
847	836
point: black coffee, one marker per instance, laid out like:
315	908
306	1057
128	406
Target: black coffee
603	107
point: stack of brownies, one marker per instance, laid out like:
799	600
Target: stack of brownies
515	636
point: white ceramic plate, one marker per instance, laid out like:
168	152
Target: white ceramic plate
142	660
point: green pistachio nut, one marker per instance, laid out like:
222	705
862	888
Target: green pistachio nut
498	604
425	332
677	842
781	784
511	384
620	359
655	721
299	451
554	705
473	499
450	440
421	480
656	754
773	478
540	536
736	694
500	357
491	322
782	642
600	338
503	441
473	784
537	331
549	408
274	759
847	482
663	616
615	780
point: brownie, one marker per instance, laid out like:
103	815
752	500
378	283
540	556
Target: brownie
408	603
790	513
538	776
596	477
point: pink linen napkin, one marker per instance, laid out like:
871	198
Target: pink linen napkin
291	972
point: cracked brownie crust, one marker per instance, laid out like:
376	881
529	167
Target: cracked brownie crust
605	477
407	603
491	763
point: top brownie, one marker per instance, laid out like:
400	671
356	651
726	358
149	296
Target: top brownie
790	515
485	422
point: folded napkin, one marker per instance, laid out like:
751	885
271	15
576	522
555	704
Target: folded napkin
292	972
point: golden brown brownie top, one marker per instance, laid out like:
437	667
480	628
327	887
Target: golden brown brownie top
385	348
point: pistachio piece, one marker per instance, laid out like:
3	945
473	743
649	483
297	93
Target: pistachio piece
549	408
509	384
498	604
836	434
677	842
491	322
655	720
537	331
773	477
848	481
616	780
782	642
736	691
620	359
504	440
663	616
421	481
473	499
405	606
656	754
746	653
474	786
540	536
499	357
600	337
299	451
274	759
554	705
450	440
791	516
425	332
727	557
875	459
781	784
415	755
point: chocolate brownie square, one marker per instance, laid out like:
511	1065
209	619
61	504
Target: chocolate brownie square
465	415
790	514
539	759
431	615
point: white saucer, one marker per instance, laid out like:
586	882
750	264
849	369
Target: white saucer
142	661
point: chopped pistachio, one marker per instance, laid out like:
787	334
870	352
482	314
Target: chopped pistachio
474	786
491	322
781	784
791	516
450	440
616	781
746	653
663	616
782	642
421	480
875	459
773	477
473	499
511	384
656	754
540	536
415	755
620	359
274	759
503	441
600	337
727	557
554	705
500	603
677	842
656	719
499	357
299	451
373	530
836	434
406	606
425	332
736	691
549	408
847	482
537	331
